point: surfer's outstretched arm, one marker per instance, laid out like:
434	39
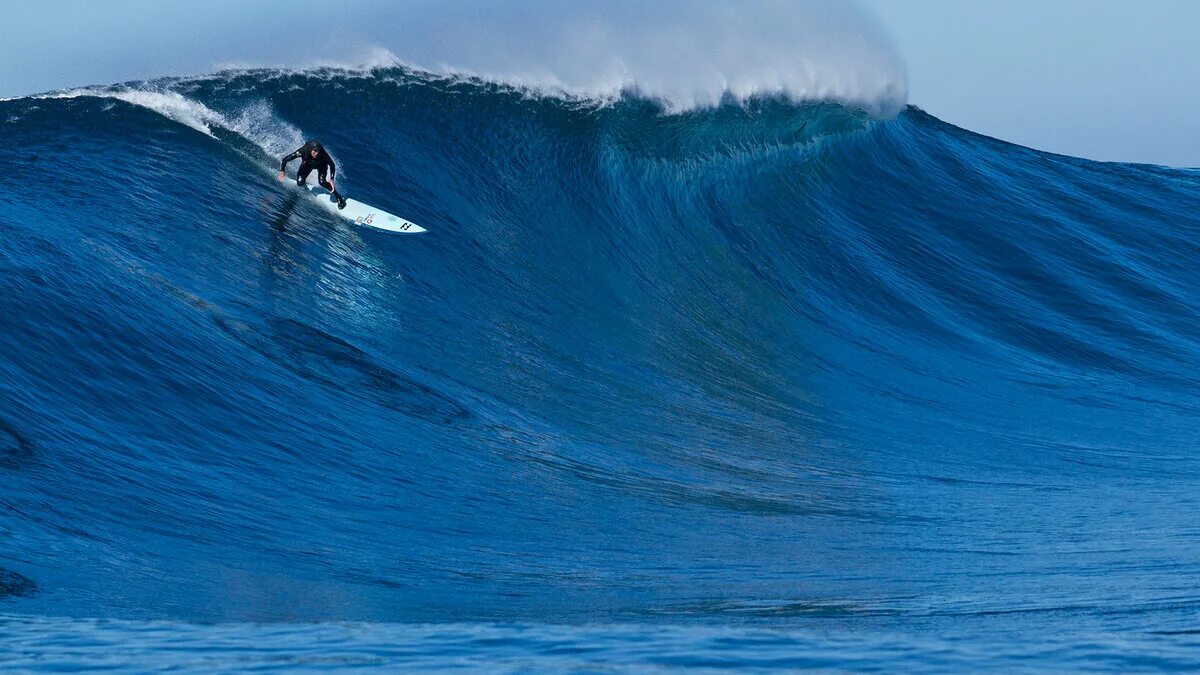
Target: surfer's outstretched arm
284	162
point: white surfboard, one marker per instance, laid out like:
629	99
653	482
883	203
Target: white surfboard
364	214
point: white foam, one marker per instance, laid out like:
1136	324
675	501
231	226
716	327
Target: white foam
166	103
687	53
256	123
259	123
367	60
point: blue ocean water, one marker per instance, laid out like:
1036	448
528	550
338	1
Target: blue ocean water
767	385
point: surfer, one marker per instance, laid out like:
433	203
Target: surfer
312	155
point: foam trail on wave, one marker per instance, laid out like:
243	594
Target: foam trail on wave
169	104
257	122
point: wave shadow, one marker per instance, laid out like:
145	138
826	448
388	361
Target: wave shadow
15	585
339	365
16	450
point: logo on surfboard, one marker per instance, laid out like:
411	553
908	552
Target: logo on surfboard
403	226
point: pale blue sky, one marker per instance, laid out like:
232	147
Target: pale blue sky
1102	79
1105	79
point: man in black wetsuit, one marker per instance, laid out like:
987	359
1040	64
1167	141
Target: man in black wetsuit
313	156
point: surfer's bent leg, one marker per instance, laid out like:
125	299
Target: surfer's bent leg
329	186
302	174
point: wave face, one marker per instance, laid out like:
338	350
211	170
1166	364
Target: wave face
775	365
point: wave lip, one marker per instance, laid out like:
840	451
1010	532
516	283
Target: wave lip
687	54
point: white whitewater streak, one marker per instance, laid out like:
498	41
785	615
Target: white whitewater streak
259	123
256	123
166	103
687	53
363	61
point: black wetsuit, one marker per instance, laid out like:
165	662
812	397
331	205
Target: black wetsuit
323	163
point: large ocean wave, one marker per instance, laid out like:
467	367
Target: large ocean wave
772	362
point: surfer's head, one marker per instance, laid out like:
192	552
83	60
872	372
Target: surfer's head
314	149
